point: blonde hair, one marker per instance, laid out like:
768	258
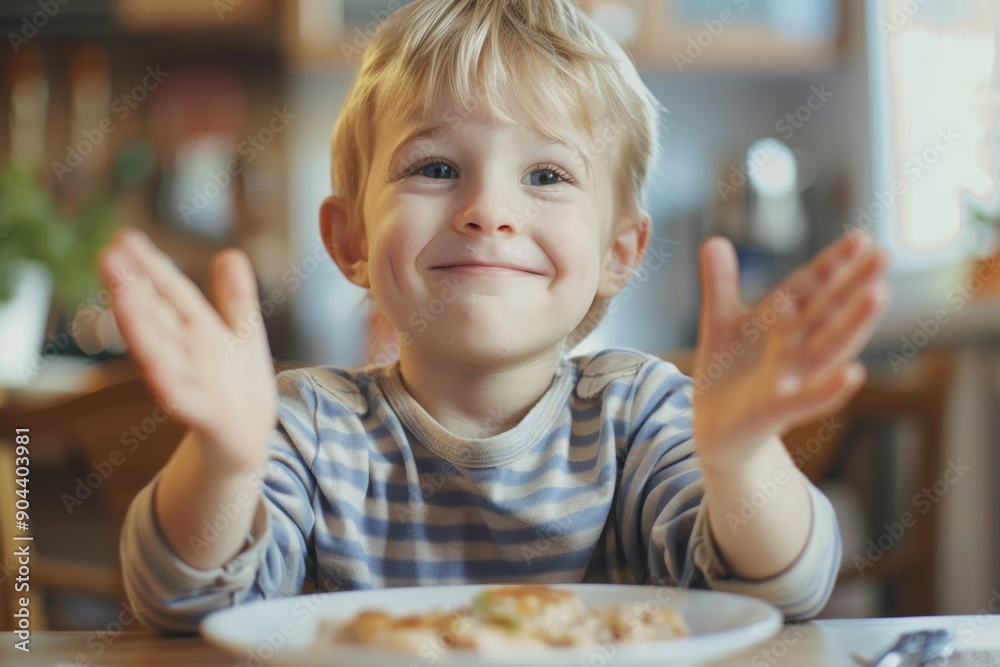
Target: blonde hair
559	68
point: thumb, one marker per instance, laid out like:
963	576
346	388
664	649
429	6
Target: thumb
720	285
234	289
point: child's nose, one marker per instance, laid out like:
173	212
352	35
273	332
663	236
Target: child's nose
484	227
488	214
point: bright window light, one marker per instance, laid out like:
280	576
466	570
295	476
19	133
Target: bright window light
939	110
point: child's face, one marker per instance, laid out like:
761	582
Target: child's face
486	243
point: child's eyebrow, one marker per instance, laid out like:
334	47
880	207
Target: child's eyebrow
576	151
433	132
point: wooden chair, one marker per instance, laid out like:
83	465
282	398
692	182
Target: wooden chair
122	430
910	566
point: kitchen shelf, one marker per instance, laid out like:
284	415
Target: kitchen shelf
195	15
333	33
667	41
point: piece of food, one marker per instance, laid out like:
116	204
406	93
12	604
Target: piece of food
506	618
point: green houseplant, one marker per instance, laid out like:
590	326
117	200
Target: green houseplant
47	254
34	228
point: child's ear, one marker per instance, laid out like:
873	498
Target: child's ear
624	254
347	250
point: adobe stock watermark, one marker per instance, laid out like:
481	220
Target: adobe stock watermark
927	329
829	427
787	126
973	626
914	168
547	536
712	29
248	151
797	119
300	614
60	340
767	489
424	316
923	501
899	14
364	34
433	481
654	261
223	7
293	278
739	175
121	107
33	24
100	640
228	512
773	653
752	330
131	439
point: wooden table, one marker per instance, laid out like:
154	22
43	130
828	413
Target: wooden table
816	644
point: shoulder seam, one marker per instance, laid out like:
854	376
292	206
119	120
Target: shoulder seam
315	409
631	397
591	377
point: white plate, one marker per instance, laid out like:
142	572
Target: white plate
282	631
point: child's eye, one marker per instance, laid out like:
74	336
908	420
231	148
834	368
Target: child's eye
434	169
548	175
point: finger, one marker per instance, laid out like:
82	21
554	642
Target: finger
234	290
175	287
825	395
129	280
156	351
804	282
847	334
856	275
149	310
720	286
136	304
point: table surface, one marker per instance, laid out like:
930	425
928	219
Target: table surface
832	643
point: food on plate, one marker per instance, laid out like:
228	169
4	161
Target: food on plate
503	618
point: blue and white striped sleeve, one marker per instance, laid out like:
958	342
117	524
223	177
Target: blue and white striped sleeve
289	488
664	526
171	596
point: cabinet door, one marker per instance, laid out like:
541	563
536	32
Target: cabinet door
193	14
333	33
684	35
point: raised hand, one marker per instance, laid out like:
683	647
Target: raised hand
210	366
790	357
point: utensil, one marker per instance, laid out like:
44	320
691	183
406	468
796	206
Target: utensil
918	649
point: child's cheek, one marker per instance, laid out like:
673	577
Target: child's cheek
575	251
398	236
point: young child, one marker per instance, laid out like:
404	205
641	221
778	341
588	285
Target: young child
489	163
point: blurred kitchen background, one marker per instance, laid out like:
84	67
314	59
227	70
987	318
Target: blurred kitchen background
788	123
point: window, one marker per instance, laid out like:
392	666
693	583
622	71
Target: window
933	89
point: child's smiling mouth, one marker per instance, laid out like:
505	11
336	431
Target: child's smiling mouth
492	270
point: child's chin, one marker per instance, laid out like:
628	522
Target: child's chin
486	350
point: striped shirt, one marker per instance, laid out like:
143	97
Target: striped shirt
364	489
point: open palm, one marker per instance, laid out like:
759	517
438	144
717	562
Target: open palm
790	357
211	367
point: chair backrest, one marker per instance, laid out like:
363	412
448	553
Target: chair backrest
125	436
815	446
883	400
